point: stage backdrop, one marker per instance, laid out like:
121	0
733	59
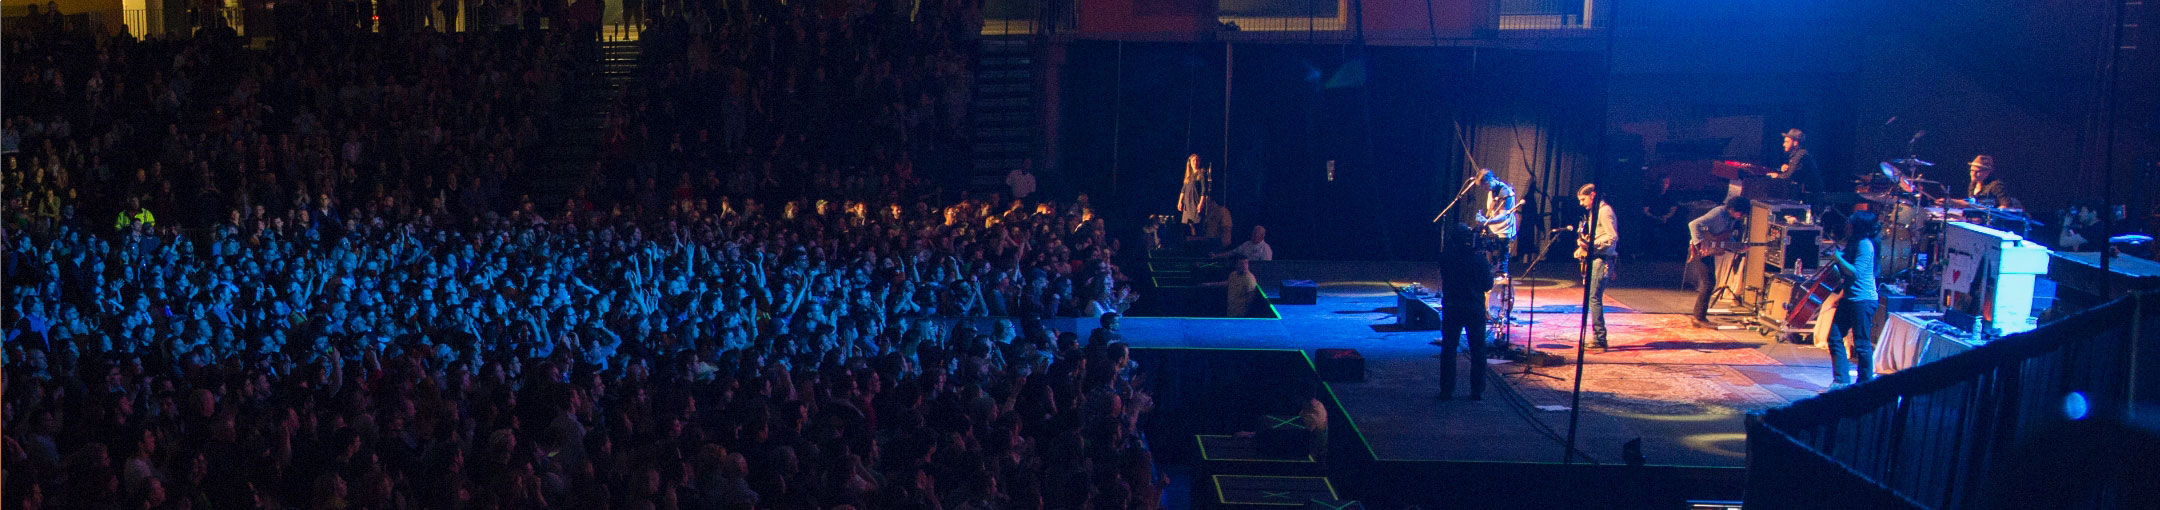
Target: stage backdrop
1387	117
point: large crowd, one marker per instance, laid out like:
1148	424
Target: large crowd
303	276
836	99
195	130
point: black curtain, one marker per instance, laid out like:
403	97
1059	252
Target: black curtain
1135	110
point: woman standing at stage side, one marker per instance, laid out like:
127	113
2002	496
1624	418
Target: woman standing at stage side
1856	310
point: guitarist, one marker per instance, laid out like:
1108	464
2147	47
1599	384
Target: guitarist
1498	221
1856	311
1498	218
1597	246
1708	236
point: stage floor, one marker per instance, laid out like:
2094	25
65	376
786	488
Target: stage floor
1683	391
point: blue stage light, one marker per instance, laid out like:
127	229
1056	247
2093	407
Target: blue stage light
2075	406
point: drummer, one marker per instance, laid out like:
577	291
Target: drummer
1984	190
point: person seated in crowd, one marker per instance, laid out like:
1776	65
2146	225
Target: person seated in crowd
1255	248
1106	331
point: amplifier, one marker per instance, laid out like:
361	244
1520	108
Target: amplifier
1764	215
1778	299
1339	365
1793	246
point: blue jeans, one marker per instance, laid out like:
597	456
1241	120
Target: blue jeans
1857	317
1599	270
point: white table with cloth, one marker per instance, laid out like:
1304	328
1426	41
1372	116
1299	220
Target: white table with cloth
1914	338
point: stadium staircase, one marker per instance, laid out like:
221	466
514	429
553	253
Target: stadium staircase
1006	112
571	143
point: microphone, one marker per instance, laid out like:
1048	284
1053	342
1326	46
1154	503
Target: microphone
1887	123
1916	137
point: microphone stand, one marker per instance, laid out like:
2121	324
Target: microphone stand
1530	353
1468	185
1930	236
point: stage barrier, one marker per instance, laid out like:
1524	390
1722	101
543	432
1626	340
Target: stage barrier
1955	433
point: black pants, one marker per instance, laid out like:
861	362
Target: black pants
1457	329
1704	272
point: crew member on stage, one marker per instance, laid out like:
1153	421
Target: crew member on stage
1597	246
1856	307
1255	248
1465	278
1799	167
1241	288
1705	233
1215	226
1984	190
1498	218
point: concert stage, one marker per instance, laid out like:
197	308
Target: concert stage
1683	391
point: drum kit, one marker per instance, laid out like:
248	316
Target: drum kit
1914	213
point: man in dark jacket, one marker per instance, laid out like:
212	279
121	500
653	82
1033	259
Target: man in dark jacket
1465	277
1799	166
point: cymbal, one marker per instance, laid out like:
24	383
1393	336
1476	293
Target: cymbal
1912	161
1888	170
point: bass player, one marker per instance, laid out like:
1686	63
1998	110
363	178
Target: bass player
1708	236
1855	263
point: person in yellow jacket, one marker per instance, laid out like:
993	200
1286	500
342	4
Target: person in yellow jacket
134	215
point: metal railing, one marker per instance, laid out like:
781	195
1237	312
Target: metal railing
1544	14
1025	17
138	22
1323	19
1938	435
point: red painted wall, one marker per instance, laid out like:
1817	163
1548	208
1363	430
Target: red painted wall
1448	18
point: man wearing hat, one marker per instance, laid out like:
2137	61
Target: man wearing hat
1799	167
1984	189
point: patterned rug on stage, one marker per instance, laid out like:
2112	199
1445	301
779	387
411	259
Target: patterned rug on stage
1645	338
1556	300
1649	389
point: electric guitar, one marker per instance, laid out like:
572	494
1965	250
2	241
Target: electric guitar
1719	244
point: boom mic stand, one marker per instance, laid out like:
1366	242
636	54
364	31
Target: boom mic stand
1919	282
1530	355
1468	184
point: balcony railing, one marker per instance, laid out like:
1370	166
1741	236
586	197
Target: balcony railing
138	22
1278	19
1023	17
1544	14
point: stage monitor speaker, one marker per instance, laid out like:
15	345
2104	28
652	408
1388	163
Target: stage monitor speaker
1417	318
1339	365
1298	292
